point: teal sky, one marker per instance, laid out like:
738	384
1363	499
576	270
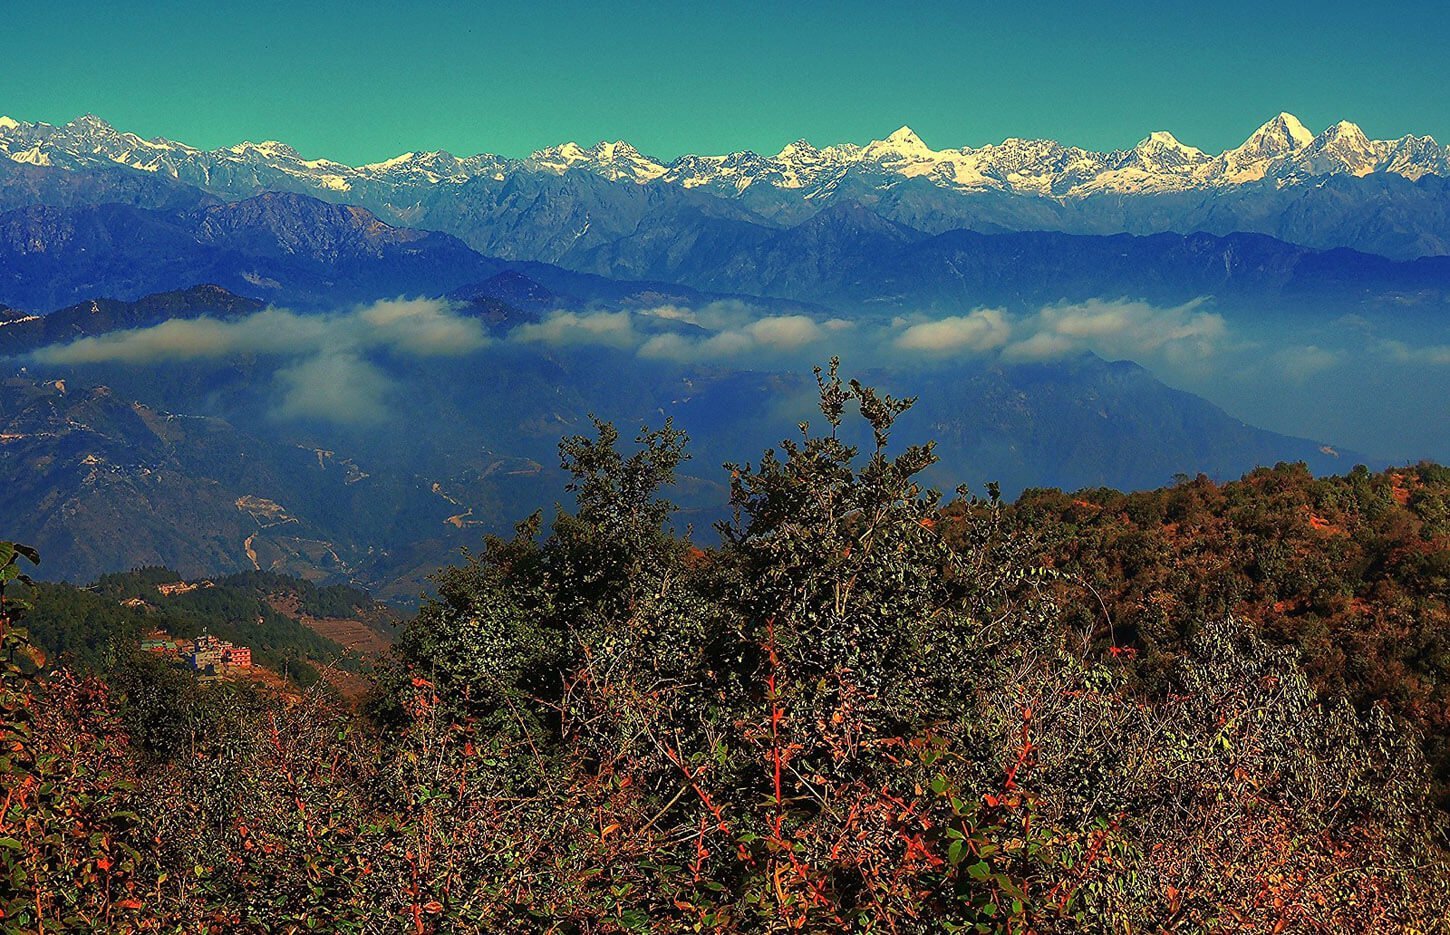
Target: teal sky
365	80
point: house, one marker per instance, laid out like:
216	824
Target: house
211	652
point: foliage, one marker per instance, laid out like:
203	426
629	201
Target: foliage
95	628
1353	572
864	710
67	842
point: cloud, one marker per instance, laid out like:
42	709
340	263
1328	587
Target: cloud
335	387
328	376
1437	354
419	328
611	329
769	335
714	331
1181	336
784	332
409	327
982	330
271	331
1184	334
1044	345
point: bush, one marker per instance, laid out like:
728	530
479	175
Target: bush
862	711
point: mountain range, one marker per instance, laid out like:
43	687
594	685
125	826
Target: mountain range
307	253
1336	188
1282	151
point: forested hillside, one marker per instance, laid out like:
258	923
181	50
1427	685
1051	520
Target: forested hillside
93	628
861	707
1353	572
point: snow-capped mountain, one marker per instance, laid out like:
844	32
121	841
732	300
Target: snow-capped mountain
589	206
1282	151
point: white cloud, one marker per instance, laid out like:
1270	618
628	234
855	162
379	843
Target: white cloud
1438	354
1044	345
327	374
612	329
772	334
1182	334
421	328
784	332
716	331
985	329
412	327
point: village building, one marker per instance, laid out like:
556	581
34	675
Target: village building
211	652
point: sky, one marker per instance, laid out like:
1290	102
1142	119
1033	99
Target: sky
365	80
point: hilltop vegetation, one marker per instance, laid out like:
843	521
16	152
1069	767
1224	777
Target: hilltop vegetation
1351	571
92	628
865	709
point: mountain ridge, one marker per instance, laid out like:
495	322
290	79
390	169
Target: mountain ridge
311	254
1281	150
1334	189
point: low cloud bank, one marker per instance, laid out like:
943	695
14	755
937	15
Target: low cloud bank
736	331
327	372
330	366
982	330
564	328
764	336
1182	334
412	327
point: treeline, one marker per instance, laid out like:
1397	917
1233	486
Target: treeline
1352	572
862	710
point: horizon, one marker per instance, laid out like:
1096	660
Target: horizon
362	84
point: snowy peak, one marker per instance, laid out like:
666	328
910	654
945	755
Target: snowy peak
616	161
1279	137
1276	140
902	146
1161	150
1283	134
1160	141
558	158
1347	132
267	149
1342	149
432	168
90	122
799	151
1417	156
905	138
